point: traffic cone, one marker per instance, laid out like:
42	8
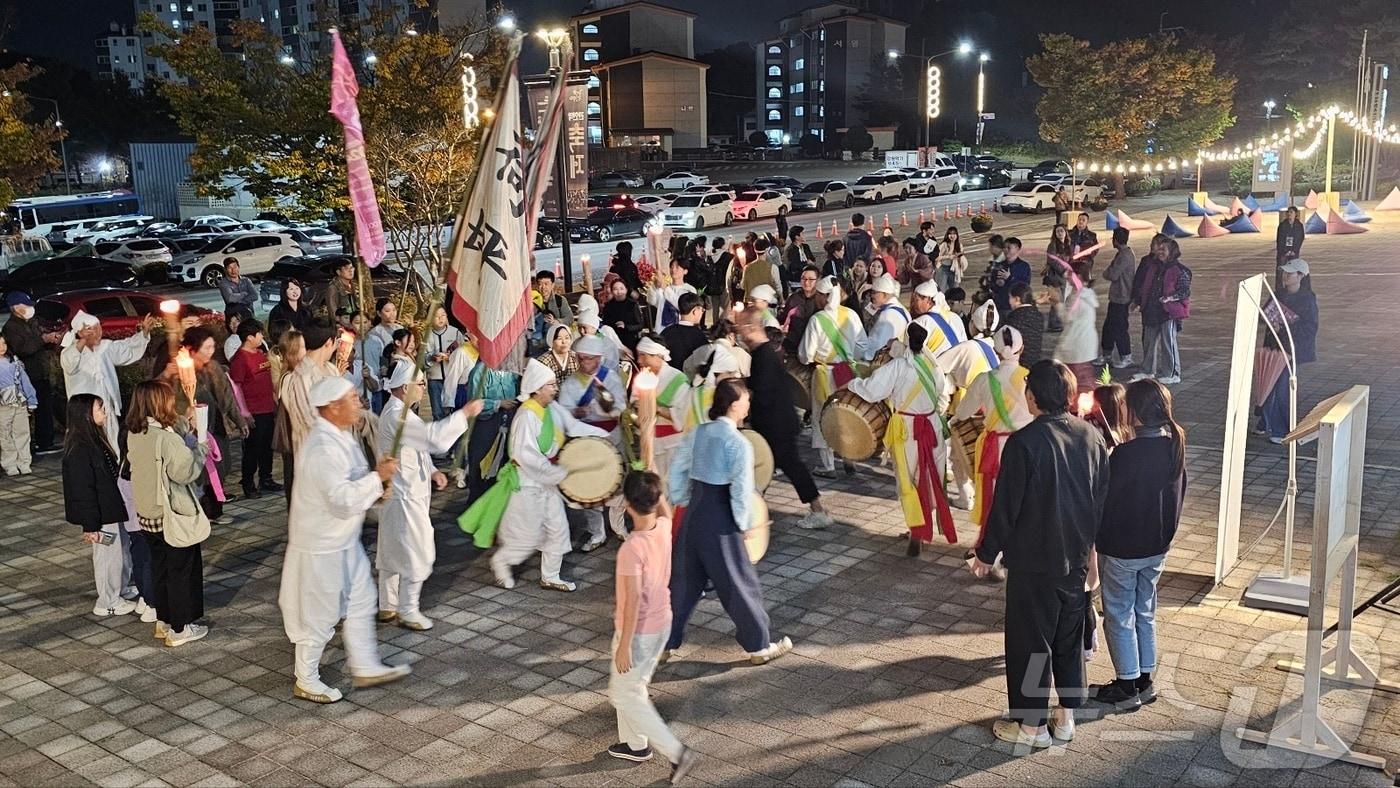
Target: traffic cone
834	232
958	214
819	231
996	207
921	217
984	207
887	222
947	213
903	218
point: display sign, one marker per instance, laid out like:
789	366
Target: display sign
573	145
1273	170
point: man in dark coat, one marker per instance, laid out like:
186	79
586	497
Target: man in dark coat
24	337
859	246
686	336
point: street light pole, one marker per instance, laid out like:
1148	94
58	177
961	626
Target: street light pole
929	74
557	38
981	94
62	143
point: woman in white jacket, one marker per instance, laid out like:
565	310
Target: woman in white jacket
951	261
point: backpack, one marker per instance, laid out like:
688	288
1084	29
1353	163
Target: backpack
13	394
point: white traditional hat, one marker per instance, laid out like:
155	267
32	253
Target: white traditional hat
589	319
591	345
651	347
536	377
927	290
328	390
79	322
586	303
403	374
554	332
884	283
826	284
722	361
763	293
984	317
1008	343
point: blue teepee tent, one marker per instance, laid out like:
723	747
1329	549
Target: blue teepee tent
1241	224
1315	225
1194	208
1173	230
1110	220
1279	203
1353	213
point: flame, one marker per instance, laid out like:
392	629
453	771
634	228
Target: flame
170	306
1086	403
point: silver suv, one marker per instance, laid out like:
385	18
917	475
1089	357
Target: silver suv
884	186
819	194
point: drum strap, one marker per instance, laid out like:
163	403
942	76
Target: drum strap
998	398
833	334
587	397
550	434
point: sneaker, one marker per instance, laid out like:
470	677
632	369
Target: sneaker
268	485
666	656
223	519
161	630
825	473
1169	380
189	634
1147	692
1062	730
386	616
251	492
772	652
383	675
558	585
1274	439
415	621
593	543
623	752
1123	363
39	451
1099	361
1121	695
814	520
316	692
1011	731
148	616
681	768
1139	376
120	608
1259	429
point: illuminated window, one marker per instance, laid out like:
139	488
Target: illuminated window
773	114
590	55
594	109
799	87
799	64
590	30
800	111
594	82
775	93
774	71
775	50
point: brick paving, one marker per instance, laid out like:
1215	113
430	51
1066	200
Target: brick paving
895	680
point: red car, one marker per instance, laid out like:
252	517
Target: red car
120	311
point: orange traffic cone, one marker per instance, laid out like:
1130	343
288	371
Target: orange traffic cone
958	214
984	207
834	232
996	207
921	217
819	231
903	218
947	213
887	222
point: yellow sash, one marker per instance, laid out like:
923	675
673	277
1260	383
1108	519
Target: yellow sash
896	439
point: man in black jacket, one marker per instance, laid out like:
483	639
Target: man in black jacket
774	416
798	310
686	336
859	246
1045	537
26	341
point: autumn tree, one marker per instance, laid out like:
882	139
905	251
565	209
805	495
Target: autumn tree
1126	97
26	149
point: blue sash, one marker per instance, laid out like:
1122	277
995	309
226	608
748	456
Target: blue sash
992	361
587	397
670	315
948	335
893	306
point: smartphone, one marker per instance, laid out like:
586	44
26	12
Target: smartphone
108	537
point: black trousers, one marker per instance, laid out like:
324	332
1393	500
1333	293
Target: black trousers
1115	331
1044	639
479	443
257	451
710	550
288	460
43	414
787	459
178	576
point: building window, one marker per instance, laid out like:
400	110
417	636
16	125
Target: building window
595	135
773	71
798	87
590	29
594	109
823	34
175	23
773	114
174	8
800	111
594	83
775	137
775	50
590	55
799	64
774	93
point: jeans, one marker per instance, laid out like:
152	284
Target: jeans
1115	332
1129	587
435	398
1274	411
638	723
1160	357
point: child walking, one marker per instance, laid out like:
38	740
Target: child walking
17	401
643	622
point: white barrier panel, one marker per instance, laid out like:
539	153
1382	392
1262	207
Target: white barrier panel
1237	413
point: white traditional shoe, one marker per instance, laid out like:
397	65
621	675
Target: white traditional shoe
189	634
415	621
1062	731
1011	731
558	585
814	520
386	616
772	652
504	578
1139	376
382	675
316	692
121	608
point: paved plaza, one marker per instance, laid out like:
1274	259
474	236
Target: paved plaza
897	671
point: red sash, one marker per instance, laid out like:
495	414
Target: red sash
988	465
842	373
666	430
930	482
607	425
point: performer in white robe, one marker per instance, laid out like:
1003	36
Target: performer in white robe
405	553
762	298
890	317
534	518
945	328
596	396
326	576
831	342
672	401
90	363
962	363
665	299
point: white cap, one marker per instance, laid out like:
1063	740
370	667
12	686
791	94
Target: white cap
554	332
722	361
1295	266
328	390
1008	343
403	374
651	347
82	320
826	284
984	317
589	319
586	303
884	283
591	345
536	377
763	293
940	301
927	289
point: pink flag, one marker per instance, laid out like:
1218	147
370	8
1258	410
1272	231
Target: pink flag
369	231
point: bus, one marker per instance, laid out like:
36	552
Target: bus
39	216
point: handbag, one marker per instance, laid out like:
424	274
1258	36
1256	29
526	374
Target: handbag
184	522
282	430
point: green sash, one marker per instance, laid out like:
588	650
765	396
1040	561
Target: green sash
549	434
668	394
483	517
833	333
998	399
927	378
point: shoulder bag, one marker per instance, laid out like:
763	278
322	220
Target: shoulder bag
184	522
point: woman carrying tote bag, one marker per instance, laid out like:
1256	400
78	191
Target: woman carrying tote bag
165	465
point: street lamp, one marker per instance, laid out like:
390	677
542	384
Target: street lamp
62	145
1269	114
981	94
506	23
933	79
557	38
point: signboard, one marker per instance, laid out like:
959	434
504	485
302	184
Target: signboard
573	144
1273	170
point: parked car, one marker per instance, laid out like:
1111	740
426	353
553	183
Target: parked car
548	232
315	240
316	272
878	188
757	204
183	248
597	200
119	311
256	253
112	228
59	233
207	219
985	178
1088	190
263	226
819	194
1048	167
19	250
698	211
1056	179
605	224
652	203
778	181
618	179
211	230
679	179
148	257
159	229
57	274
1028	196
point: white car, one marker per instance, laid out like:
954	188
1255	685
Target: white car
876	188
653	203
112	228
945	180
698	211
208	220
1028	196
144	255
256	253
263	226
756	204
1056	179
1087	190
679	179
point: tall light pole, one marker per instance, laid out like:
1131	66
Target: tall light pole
933	76
1269	114
556	39
981	94
62	144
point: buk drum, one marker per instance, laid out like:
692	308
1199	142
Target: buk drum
756	538
595	470
852	427
965	434
762	459
799	383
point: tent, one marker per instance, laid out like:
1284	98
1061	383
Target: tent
1353	213
1110	220
1216	209
1240	224
1133	224
1315	225
1310	202
1256	217
1250	203
1210	229
1173	230
1279	203
1238	207
1194	208
1336	225
1391	201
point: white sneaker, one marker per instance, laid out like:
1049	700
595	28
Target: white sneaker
189	634
772	652
381	675
593	543
814	520
415	621
316	692
1062	731
1099	361
1011	731
1124	362
1139	376
161	630
1169	380
145	611
121	608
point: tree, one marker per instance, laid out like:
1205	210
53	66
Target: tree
811	145
26	149
758	139
1128	97
858	140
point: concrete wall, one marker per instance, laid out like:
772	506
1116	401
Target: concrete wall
674	97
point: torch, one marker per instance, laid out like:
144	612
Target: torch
342	351
170	312
644	392
184	367
587	274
